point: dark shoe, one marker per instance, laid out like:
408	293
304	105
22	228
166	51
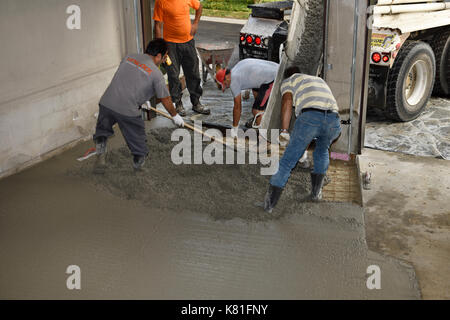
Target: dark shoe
199	108
138	163
180	109
100	162
316	186
249	123
271	198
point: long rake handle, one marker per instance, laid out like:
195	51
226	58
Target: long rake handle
187	125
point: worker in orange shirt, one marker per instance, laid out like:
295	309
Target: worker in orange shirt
172	17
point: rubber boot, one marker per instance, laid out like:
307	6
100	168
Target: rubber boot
316	186
138	163
271	198
100	162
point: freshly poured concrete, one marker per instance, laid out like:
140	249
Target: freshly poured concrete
171	240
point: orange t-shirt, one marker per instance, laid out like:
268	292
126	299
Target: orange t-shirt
174	14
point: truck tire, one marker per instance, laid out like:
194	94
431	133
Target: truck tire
441	48
410	81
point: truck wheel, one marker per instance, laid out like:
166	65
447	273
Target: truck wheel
410	81
441	48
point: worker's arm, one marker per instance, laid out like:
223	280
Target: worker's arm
157	29
237	110
168	105
286	110
198	14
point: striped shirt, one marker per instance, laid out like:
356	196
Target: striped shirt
309	92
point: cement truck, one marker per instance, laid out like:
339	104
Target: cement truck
410	46
410	55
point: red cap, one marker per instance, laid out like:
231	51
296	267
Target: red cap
220	77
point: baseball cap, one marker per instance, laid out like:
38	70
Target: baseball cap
220	77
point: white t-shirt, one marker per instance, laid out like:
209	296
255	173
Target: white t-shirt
252	74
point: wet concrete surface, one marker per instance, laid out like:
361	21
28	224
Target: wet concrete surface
428	135
407	214
159	236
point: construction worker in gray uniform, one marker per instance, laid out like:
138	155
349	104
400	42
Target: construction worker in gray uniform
317	118
136	81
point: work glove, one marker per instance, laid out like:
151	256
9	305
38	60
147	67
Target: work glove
234	132
178	120
304	161
284	139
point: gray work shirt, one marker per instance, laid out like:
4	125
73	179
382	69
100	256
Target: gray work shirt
252	74
136	81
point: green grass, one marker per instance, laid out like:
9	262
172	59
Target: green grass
228	8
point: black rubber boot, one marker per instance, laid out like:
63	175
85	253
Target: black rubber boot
100	162
316	186
271	198
138	163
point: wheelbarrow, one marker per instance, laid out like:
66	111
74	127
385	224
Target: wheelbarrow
214	56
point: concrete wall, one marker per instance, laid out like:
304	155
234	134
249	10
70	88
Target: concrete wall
51	77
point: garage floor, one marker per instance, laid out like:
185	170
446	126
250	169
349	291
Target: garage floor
407	214
51	218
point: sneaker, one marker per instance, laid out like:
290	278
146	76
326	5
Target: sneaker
199	108
180	109
138	163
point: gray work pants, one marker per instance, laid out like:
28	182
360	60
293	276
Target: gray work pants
132	128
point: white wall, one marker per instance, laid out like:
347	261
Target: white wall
51	78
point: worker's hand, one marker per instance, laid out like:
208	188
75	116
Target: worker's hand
234	132
146	106
284	139
178	120
194	28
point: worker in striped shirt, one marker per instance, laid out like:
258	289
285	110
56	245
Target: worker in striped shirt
317	118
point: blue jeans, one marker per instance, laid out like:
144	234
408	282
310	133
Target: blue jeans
326	127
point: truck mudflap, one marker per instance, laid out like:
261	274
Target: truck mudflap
378	76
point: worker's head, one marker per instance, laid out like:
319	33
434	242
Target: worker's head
291	71
159	50
223	77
